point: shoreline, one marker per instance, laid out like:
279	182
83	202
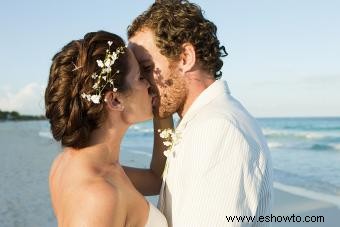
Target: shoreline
308	194
288	204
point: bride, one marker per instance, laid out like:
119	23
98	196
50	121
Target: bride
95	92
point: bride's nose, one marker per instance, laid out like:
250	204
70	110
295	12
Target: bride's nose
148	85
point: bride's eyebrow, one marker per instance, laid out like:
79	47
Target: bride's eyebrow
146	62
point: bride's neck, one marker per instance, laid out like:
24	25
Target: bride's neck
106	141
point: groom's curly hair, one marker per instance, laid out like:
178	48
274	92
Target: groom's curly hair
72	118
175	22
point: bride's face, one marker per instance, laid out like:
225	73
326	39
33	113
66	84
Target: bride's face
138	100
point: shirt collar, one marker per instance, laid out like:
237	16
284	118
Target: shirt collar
217	88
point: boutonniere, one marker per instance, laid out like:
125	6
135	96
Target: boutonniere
170	139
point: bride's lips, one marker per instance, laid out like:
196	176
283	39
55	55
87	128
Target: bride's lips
154	100
154	97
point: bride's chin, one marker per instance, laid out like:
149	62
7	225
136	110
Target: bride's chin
150	116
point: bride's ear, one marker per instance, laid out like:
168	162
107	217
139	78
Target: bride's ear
114	101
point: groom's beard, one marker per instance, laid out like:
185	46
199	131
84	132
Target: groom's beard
172	94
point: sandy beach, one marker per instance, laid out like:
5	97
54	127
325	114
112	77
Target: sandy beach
24	197
287	204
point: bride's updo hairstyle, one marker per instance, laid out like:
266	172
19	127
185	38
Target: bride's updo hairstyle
71	115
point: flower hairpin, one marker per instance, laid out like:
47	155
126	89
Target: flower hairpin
105	76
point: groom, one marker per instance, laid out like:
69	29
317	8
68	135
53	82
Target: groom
220	165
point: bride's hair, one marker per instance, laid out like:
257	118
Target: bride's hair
72	117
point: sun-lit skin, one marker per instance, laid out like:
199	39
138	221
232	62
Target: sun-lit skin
164	77
93	175
177	84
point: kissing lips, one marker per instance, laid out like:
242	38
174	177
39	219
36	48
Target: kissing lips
154	101
154	97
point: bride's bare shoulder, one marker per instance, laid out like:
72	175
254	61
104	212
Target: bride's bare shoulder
93	204
101	203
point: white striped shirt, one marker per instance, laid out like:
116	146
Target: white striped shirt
220	167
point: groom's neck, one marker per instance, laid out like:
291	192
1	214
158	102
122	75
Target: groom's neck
196	83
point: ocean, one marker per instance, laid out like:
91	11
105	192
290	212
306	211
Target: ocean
305	153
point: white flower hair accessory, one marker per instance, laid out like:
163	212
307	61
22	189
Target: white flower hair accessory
105	76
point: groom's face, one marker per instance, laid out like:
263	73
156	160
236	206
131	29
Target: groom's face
164	76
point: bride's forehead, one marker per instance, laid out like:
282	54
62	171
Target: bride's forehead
140	52
142	58
133	63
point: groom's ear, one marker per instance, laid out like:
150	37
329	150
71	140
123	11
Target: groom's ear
114	101
187	57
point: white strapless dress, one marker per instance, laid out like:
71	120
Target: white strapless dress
156	218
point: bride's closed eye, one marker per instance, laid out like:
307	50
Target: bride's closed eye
147	68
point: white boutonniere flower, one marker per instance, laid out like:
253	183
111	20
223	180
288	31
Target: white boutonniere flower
170	139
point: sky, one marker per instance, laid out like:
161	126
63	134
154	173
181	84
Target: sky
284	56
